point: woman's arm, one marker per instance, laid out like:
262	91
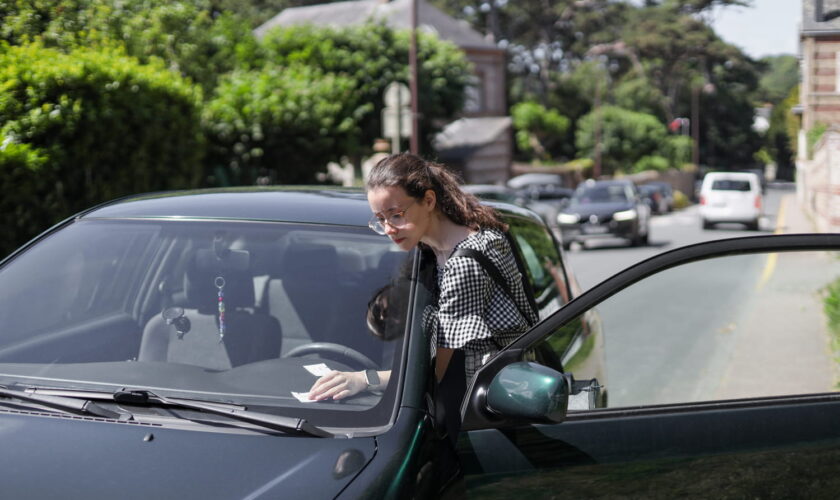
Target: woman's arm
339	385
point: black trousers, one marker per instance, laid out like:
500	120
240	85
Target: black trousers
449	395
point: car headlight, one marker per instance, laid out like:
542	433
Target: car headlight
625	215
568	218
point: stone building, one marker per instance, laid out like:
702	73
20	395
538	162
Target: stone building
818	167
479	143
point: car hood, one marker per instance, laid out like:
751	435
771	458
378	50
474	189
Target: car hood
599	209
79	457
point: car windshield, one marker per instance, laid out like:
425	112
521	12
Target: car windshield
600	194
243	312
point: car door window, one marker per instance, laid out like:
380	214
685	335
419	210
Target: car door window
728	328
542	263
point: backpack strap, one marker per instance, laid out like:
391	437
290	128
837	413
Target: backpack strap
494	273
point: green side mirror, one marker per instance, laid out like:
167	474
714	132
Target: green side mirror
529	391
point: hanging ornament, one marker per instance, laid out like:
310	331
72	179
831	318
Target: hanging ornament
220	284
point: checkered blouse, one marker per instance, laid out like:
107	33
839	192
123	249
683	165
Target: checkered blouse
473	313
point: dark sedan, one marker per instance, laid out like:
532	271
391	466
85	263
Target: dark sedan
605	209
162	346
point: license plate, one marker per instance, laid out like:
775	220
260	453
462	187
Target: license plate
594	229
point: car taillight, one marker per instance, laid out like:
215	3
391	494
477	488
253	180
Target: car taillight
702	200
758	202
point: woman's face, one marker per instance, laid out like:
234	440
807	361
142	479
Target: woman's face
411	215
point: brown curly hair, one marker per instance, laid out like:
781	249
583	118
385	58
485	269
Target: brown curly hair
417	176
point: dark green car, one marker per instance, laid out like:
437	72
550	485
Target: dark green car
161	346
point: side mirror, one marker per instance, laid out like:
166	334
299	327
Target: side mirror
530	392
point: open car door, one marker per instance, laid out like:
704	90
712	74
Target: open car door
722	370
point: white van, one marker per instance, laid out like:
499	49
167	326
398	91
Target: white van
731	197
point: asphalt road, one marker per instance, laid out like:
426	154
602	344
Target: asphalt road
742	326
603	258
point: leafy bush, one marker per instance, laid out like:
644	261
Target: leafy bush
538	130
680	199
814	135
651	162
29	199
190	36
283	122
90	126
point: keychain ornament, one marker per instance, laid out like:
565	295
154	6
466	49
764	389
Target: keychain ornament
220	284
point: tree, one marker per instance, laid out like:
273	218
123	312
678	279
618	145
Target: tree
626	137
779	74
374	56
538	130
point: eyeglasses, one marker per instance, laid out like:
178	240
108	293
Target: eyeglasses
395	220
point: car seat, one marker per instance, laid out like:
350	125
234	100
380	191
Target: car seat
250	336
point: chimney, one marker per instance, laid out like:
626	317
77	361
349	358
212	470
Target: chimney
818	11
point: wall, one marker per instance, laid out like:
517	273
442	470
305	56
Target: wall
820	75
818	182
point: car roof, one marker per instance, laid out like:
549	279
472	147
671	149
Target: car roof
731	175
302	204
607	182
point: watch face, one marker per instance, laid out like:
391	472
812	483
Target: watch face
372	377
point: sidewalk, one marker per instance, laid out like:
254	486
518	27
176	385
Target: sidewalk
792	218
783	345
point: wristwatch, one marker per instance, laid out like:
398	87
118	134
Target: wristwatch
372	379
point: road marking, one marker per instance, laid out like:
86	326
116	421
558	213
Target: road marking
772	259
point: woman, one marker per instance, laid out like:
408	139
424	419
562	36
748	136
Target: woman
419	203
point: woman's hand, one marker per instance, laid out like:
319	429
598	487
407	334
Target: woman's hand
338	385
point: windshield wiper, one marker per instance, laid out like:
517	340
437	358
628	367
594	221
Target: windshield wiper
286	424
83	406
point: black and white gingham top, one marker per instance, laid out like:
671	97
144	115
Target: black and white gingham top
473	313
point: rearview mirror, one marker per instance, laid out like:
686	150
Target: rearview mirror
530	392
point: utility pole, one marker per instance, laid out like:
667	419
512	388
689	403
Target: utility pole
412	64
596	168
695	125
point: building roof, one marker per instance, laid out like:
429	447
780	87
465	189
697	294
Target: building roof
462	137
820	17
395	14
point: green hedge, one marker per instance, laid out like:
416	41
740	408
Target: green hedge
282	122
85	127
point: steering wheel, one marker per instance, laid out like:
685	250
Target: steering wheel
332	350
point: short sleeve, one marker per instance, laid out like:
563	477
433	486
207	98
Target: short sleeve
465	291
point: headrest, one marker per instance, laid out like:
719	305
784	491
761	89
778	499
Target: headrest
310	262
206	271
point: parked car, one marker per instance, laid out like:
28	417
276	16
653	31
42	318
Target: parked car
161	346
733	197
660	196
552	194
495	192
602	209
547	208
535	179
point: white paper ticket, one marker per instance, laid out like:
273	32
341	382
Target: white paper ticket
318	370
303	397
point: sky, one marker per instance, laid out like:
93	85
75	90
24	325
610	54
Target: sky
769	27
